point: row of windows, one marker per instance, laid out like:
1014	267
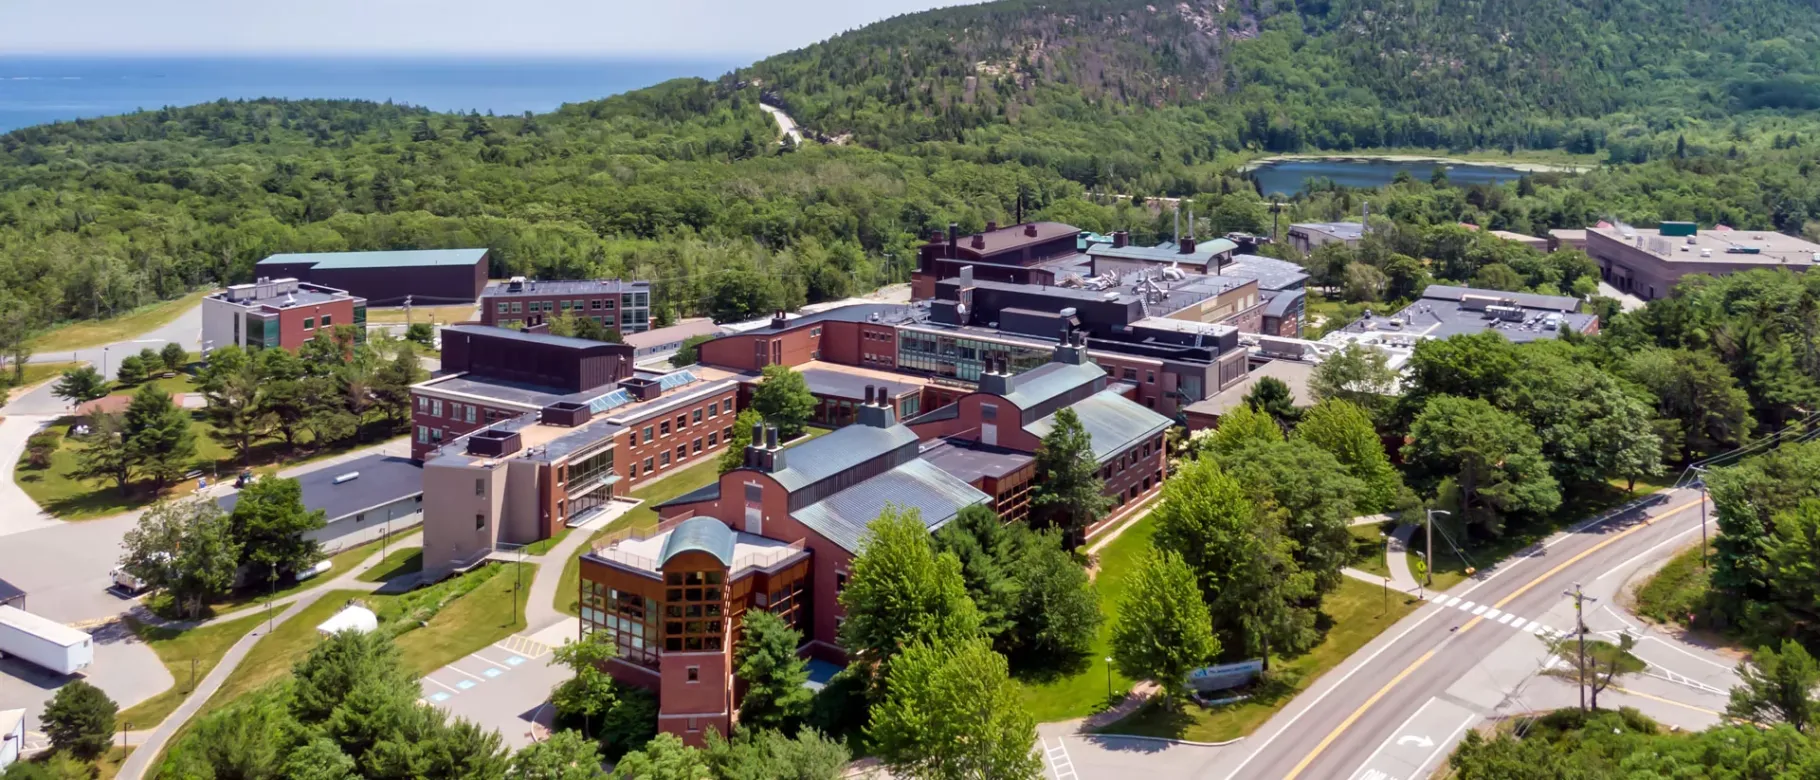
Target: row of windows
458	412
683	452
428	435
309	323
1131	459
625	616
515	307
650	432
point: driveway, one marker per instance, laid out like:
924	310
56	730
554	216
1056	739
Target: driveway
124	668
505	686
186	329
18	513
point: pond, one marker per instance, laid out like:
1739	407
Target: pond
1287	176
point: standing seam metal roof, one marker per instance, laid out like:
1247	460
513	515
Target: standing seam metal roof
1113	422
919	485
814	461
418	258
699	534
1049	380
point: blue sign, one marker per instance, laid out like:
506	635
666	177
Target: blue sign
1219	678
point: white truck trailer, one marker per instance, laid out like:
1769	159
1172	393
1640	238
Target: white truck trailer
44	642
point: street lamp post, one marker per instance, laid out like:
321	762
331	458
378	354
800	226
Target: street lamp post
1703	541
1429	565
1108	678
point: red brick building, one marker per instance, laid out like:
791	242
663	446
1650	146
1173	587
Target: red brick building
278	314
617	305
1014	254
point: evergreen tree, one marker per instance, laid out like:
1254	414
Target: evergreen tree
1068	494
988	551
1272	396
774	675
158	438
104	454
1778	687
79	385
1056	616
80	720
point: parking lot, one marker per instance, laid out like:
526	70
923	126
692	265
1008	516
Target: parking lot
124	668
505	686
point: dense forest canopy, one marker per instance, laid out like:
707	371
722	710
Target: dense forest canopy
963	114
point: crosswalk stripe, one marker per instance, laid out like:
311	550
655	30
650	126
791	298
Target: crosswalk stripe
1533	627
1505	621
1492	614
1467	606
1452	600
1479	610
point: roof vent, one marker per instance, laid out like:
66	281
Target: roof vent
348	477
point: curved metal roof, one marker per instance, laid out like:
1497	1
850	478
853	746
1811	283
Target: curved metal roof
699	534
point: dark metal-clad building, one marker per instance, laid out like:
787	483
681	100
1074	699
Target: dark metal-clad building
559	362
427	276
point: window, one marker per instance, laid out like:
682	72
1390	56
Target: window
325	319
550	305
630	619
565	305
713	411
480	522
648	465
693	726
518	307
647	434
360	517
594	304
309	323
694	611
423	435
727	433
726	405
633	471
423	404
681	420
608	303
663	428
988	411
1149	376
470	416
695	447
1130	375
682	451
435	435
480	487
504	307
695	417
713	438
694	676
840	581
815	332
663	459
436	407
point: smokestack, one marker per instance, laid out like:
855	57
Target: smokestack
1178	226
954	238
868	395
758	434
1118	239
771	438
1187	247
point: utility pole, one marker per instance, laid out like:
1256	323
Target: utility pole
1580	600
1703	542
1429	581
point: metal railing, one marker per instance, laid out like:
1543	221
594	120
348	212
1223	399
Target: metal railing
765	559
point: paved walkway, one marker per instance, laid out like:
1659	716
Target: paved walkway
1396	557
18	512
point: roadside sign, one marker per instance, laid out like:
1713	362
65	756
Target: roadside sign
1218	678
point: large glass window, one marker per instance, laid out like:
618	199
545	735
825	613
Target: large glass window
694	611
597	466
627	617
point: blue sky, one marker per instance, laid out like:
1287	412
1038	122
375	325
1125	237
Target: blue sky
684	28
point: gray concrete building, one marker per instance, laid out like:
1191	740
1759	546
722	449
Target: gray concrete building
1649	263
361	500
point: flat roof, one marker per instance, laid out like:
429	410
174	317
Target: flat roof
414	258
1294	373
858	312
1443	311
9	592
1270	273
565	287
849	382
1203	253
1012	237
657	338
305	294
1772	248
969	461
382	480
509	334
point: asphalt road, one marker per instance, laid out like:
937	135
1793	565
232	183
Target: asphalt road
1396	708
185	330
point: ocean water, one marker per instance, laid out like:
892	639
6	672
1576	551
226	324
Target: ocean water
38	90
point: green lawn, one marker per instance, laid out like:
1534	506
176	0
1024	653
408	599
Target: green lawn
403	561
1085	691
271	658
1358	611
82	335
1680	588
59	492
177	384
1368	549
189	656
542	546
432	314
645	516
474	621
36	372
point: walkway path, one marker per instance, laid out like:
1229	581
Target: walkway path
1396	557
146	752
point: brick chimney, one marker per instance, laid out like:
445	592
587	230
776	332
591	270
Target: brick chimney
1030	230
1187	246
979	240
991	226
877	411
1119	239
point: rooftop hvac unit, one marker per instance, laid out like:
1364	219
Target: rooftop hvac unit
1505	313
1706	252
1478	302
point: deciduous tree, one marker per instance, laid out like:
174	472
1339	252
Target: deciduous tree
774	675
566	755
901	591
1778	687
270	523
951	712
784	400
185	547
1494	458
1068	493
1345	431
1161	632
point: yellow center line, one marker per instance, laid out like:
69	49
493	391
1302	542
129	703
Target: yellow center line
1360	712
1641	694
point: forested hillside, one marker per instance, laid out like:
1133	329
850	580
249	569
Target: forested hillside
960	115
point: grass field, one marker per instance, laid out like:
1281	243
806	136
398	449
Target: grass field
178	649
436	314
1358	612
254	596
400	562
1084	692
474	620
82	335
1368	550
1679	589
645	516
36	372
